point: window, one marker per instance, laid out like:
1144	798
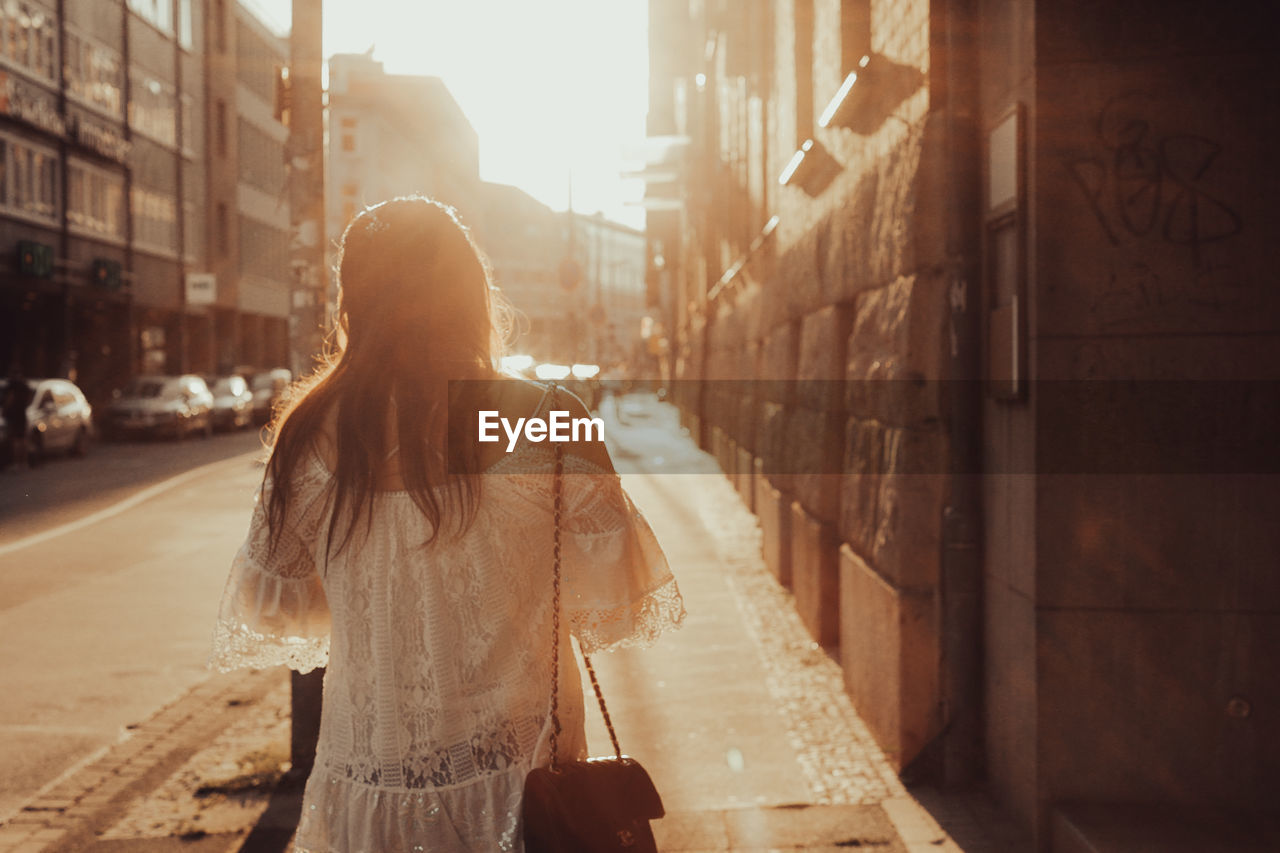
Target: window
261	159
155	220
349	126
157	13
256	59
264	250
184	24
95	200
153	108
28	38
28	179
94	75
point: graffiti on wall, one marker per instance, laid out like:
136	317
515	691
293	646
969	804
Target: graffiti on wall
1141	185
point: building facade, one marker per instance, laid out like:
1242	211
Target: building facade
611	258
392	135
966	238
111	221
248	230
100	137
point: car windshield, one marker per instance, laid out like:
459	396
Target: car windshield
144	388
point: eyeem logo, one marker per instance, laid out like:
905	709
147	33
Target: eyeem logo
558	427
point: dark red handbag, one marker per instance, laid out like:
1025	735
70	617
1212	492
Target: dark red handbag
601	804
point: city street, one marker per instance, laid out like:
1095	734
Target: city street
104	622
741	720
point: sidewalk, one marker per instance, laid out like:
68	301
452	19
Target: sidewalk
739	717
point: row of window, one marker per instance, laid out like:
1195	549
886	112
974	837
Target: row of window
155	219
94	73
95	200
264	250
261	159
95	197
29	37
153	108
159	14
256	62
29	40
28	179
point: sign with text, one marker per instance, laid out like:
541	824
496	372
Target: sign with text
202	288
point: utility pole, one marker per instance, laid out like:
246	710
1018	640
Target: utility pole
305	155
304	96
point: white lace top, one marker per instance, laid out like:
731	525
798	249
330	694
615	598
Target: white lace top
437	691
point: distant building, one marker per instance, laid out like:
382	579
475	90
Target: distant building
248	226
611	294
393	135
118	201
525	241
94	239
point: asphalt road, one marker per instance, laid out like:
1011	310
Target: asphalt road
110	572
65	488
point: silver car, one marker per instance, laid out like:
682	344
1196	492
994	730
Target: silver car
162	405
232	402
267	387
59	418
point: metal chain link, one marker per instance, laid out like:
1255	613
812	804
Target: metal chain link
557	492
557	489
604	711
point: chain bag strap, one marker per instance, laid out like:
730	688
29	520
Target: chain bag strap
601	804
558	510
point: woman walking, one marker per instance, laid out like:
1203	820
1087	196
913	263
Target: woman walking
417	565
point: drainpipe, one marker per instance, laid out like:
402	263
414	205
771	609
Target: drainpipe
961	639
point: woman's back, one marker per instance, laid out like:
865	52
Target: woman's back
436	697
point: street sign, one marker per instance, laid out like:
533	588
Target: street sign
202	288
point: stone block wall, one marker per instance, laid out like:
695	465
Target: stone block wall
851	295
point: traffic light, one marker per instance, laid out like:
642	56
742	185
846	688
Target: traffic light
105	273
35	259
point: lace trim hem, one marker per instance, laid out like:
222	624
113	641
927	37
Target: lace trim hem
638	625
237	646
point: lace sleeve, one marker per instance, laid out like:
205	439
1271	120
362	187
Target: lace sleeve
274	610
618	588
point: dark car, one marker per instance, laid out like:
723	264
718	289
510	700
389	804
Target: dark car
232	402
162	406
59	418
267	387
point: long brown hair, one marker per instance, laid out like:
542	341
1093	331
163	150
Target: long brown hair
416	309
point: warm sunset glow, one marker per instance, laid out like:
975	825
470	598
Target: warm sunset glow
550	87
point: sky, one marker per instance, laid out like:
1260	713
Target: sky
552	87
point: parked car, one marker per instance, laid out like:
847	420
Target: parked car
59	419
267	387
232	402
162	405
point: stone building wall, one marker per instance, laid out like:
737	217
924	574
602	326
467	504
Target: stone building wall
850	285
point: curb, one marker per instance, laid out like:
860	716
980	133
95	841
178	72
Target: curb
69	811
